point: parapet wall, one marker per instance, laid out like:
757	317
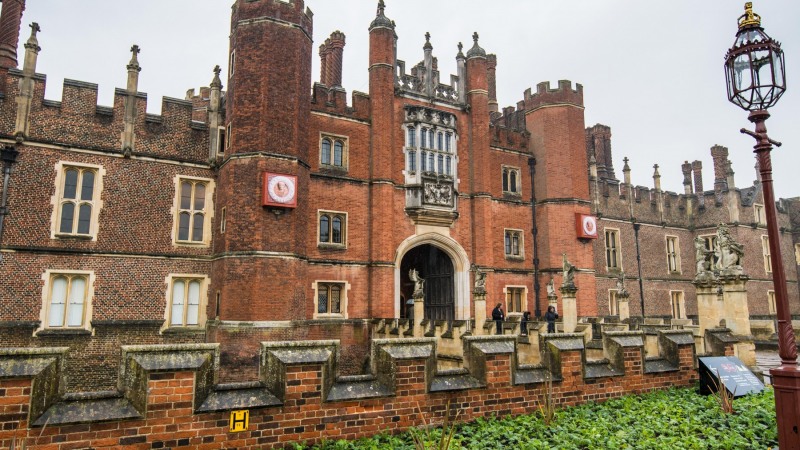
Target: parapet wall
168	396
78	121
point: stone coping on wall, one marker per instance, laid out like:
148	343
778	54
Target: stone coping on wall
284	366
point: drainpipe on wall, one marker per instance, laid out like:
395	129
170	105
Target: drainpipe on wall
535	232
636	227
9	156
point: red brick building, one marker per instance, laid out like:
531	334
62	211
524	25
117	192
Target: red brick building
278	209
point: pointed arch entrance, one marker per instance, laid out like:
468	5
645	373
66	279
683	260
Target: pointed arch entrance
436	267
446	274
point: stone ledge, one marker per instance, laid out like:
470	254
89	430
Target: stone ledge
659	365
226	400
455	382
86	411
357	390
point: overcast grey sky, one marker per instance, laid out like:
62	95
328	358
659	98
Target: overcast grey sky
651	69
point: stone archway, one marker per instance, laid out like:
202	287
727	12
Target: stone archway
435	247
436	267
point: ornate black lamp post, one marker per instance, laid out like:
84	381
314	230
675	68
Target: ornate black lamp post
755	73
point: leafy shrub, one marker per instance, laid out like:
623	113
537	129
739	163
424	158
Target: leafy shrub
676	419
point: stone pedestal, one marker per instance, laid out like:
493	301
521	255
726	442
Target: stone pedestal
479	297
552	300
709	308
569	309
623	307
734	304
419	315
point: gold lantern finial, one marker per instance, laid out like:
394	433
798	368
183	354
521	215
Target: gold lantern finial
749	18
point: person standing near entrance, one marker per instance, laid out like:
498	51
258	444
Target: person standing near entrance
498	316
550	316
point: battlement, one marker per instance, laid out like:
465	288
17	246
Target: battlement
333	100
414	82
286	11
545	96
298	384
78	120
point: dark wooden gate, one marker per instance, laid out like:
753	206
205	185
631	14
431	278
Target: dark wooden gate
436	267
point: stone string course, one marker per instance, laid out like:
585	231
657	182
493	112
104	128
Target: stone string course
168	397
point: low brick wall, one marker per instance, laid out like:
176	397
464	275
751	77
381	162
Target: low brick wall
168	396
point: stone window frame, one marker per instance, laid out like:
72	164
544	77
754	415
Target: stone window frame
223	220
765	251
333	139
617	251
444	158
228	136
677	301
509	233
711	244
48	277
343	303
222	140
772	305
613	302
57	199
231	63
202	313
506	172
523	300
674	258
208	211
759	214
332	214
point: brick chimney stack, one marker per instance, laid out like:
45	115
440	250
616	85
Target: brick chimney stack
491	68
697	168
10	23
687	177
719	154
334	47
323	66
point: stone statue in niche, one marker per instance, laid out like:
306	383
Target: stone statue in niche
419	283
730	252
569	274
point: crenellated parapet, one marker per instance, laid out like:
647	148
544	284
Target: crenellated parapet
298	383
333	100
564	94
77	120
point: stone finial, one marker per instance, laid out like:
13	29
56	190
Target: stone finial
134	63
460	54
427	45
216	82
380	18
656	178
33	41
476	50
626	170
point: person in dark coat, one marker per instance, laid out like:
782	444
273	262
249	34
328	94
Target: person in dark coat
550	316
526	317
498	316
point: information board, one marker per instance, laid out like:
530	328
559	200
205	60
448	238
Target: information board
735	375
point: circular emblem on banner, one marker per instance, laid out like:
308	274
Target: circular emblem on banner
281	189
589	226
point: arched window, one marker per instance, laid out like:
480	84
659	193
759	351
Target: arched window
448	167
430	136
412	161
338	149
324	228
505	180
412	137
424	135
424	161
440	143
326	151
336	234
448	142
513	182
440	168
430	162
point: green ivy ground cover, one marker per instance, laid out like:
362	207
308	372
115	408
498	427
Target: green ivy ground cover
672	420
